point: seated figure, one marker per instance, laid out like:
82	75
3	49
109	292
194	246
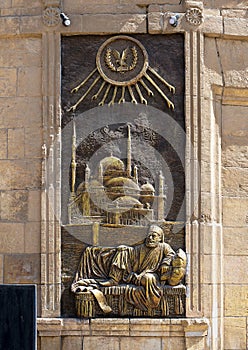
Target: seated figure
143	269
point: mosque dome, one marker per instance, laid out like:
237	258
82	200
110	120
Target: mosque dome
147	188
121	186
112	164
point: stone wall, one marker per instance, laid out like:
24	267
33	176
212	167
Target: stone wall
216	107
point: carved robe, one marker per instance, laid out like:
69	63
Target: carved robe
140	267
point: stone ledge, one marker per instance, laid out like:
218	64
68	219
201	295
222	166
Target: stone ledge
119	327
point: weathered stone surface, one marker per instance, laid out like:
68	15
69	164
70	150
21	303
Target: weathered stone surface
3	142
8	80
22	268
34	206
235	211
20	112
11	238
99	343
118	327
16	52
235	241
235	133
97	24
235	182
238	26
33	141
9	25
141	343
235	270
235	73
236	299
72	343
235	332
14	205
29	82
15	143
235	156
50	342
172	343
20	174
32	237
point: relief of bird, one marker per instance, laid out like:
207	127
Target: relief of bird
121	59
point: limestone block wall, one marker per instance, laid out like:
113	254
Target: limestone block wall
216	115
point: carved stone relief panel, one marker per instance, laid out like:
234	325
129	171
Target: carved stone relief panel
123	176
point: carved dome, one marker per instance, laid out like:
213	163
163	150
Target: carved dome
112	164
121	186
127	202
147	188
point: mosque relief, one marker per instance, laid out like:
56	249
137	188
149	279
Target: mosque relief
123	243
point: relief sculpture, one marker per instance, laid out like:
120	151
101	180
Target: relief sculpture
131	280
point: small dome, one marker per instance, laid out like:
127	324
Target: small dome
147	188
111	163
127	202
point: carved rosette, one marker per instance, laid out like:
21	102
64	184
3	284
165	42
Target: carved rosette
51	16
194	16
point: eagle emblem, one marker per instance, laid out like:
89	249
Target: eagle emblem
118	61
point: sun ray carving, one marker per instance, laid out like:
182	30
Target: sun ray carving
122	62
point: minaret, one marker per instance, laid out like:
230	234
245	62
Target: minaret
73	160
135	173
161	197
129	165
87	175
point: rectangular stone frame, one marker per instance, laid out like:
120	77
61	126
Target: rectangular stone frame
203	228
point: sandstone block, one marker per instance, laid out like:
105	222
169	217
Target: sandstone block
173	343
5	4
34	208
33	142
212	24
235	155
15	143
22	268
235	182
235	269
20	174
236	300
99	343
9	25
155	20
3	142
20	112
235	333
235	26
14	205
20	52
50	343
141	343
11	238
8	79
72	343
150	328
235	133
235	211
26	3
29	81
114	23
110	327
32	237
237	235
